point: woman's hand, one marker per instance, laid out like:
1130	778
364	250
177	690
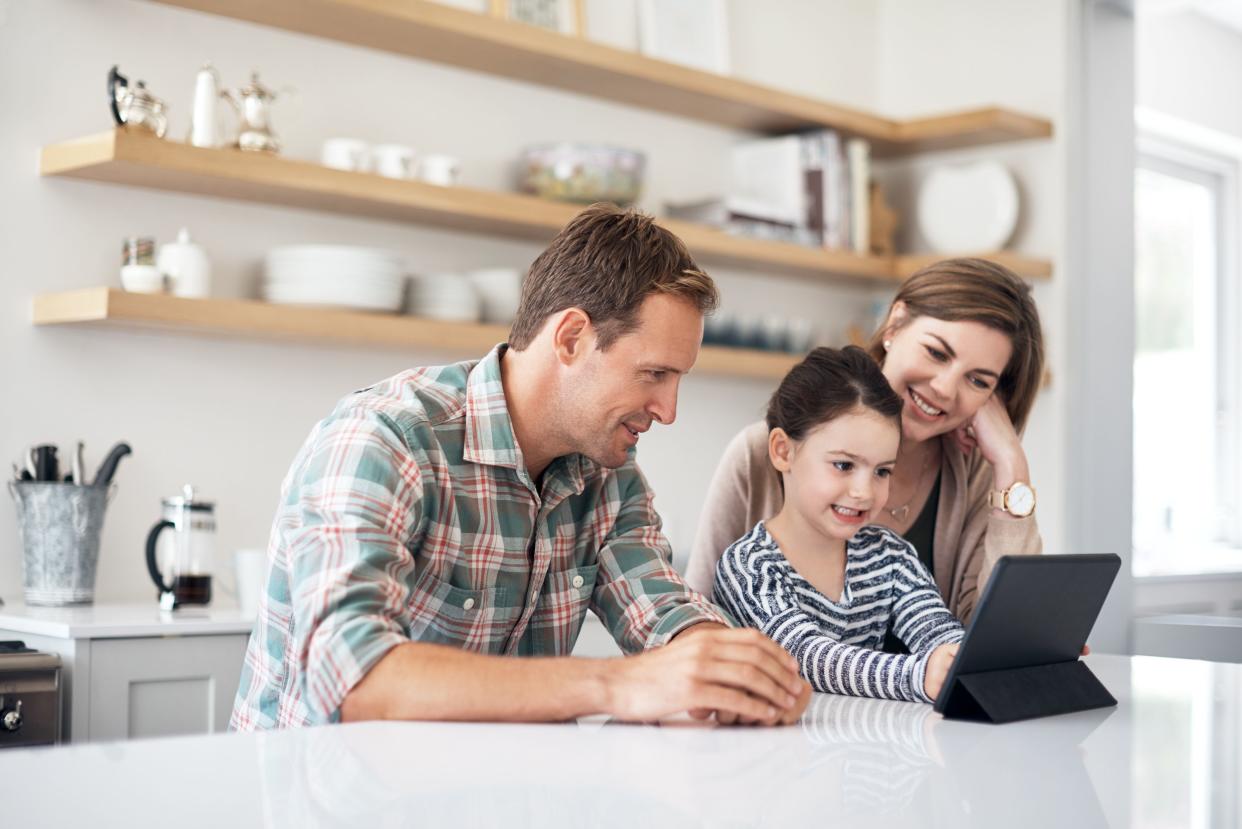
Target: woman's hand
938	668
992	432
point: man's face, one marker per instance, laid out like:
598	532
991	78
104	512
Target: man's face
613	396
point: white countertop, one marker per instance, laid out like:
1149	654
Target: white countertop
1167	756
112	621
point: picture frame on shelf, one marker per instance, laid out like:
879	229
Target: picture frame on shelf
692	33
563	16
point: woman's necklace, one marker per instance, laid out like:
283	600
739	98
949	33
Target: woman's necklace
899	514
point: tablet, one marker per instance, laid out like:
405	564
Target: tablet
1036	610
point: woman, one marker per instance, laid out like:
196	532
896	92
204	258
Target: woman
962	347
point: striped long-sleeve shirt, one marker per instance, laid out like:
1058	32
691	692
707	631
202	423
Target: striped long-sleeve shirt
836	642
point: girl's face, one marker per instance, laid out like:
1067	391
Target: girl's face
837	476
943	371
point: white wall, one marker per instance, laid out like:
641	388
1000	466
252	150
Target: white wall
229	415
1188	66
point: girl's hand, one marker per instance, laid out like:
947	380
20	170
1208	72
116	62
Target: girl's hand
992	432
938	668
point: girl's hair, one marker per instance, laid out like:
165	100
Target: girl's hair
977	290
828	384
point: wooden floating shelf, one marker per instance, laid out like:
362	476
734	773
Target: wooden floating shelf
142	160
432	31
111	307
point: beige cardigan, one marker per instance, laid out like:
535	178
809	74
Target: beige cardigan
970	535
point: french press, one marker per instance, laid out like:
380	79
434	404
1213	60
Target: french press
193	522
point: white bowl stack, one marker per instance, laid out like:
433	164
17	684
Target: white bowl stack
444	296
500	291
367	279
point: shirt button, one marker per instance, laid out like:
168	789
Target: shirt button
578	580
467	604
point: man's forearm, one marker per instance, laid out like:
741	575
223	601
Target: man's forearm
419	681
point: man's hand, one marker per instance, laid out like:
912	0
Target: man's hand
938	668
741	675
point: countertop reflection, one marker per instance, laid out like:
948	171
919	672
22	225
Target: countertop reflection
886	763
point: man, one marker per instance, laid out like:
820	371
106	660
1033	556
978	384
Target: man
449	519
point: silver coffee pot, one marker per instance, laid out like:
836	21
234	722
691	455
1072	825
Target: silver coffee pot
133	107
253	105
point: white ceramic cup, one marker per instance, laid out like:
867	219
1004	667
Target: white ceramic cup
439	169
346	154
394	160
250	566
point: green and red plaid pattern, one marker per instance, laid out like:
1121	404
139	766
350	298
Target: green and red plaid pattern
408	514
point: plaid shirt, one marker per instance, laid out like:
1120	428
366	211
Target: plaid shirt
408	515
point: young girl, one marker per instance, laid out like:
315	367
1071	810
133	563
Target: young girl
818	579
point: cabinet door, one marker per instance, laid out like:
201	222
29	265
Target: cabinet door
154	687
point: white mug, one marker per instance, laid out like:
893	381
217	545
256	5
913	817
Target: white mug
346	154
394	160
439	169
250	566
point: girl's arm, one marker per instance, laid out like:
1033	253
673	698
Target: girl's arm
751	584
920	618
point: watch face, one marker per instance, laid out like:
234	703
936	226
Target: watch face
1021	500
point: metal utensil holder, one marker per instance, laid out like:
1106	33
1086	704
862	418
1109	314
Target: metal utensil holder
59	526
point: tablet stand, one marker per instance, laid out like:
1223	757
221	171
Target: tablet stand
1026	693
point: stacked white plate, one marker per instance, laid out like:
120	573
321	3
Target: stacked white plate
342	276
444	296
500	292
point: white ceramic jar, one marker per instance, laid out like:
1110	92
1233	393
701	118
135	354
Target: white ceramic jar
186	266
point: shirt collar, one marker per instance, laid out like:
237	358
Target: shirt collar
489	438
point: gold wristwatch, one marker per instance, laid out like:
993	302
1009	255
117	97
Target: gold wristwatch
1018	500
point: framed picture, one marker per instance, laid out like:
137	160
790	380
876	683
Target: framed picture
562	16
693	33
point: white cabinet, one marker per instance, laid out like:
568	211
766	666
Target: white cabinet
131	671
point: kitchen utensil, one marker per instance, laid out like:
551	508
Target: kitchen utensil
190	564
439	169
346	154
107	469
394	160
29	460
186	266
253	104
583	173
78	464
968	208
47	467
134	107
205	119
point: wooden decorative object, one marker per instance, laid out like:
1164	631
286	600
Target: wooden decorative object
884	220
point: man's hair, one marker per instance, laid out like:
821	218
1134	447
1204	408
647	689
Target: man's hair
606	261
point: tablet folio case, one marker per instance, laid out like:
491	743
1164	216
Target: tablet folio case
1026	693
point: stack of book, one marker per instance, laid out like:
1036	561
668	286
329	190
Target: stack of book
811	188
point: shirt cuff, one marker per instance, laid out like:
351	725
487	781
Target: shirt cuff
682	617
338	658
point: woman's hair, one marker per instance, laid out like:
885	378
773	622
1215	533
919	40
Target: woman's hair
827	384
976	290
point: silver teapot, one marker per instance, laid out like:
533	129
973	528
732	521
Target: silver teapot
135	107
253	104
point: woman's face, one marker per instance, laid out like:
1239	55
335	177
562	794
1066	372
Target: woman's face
943	371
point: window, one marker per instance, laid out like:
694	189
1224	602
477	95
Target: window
1186	415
